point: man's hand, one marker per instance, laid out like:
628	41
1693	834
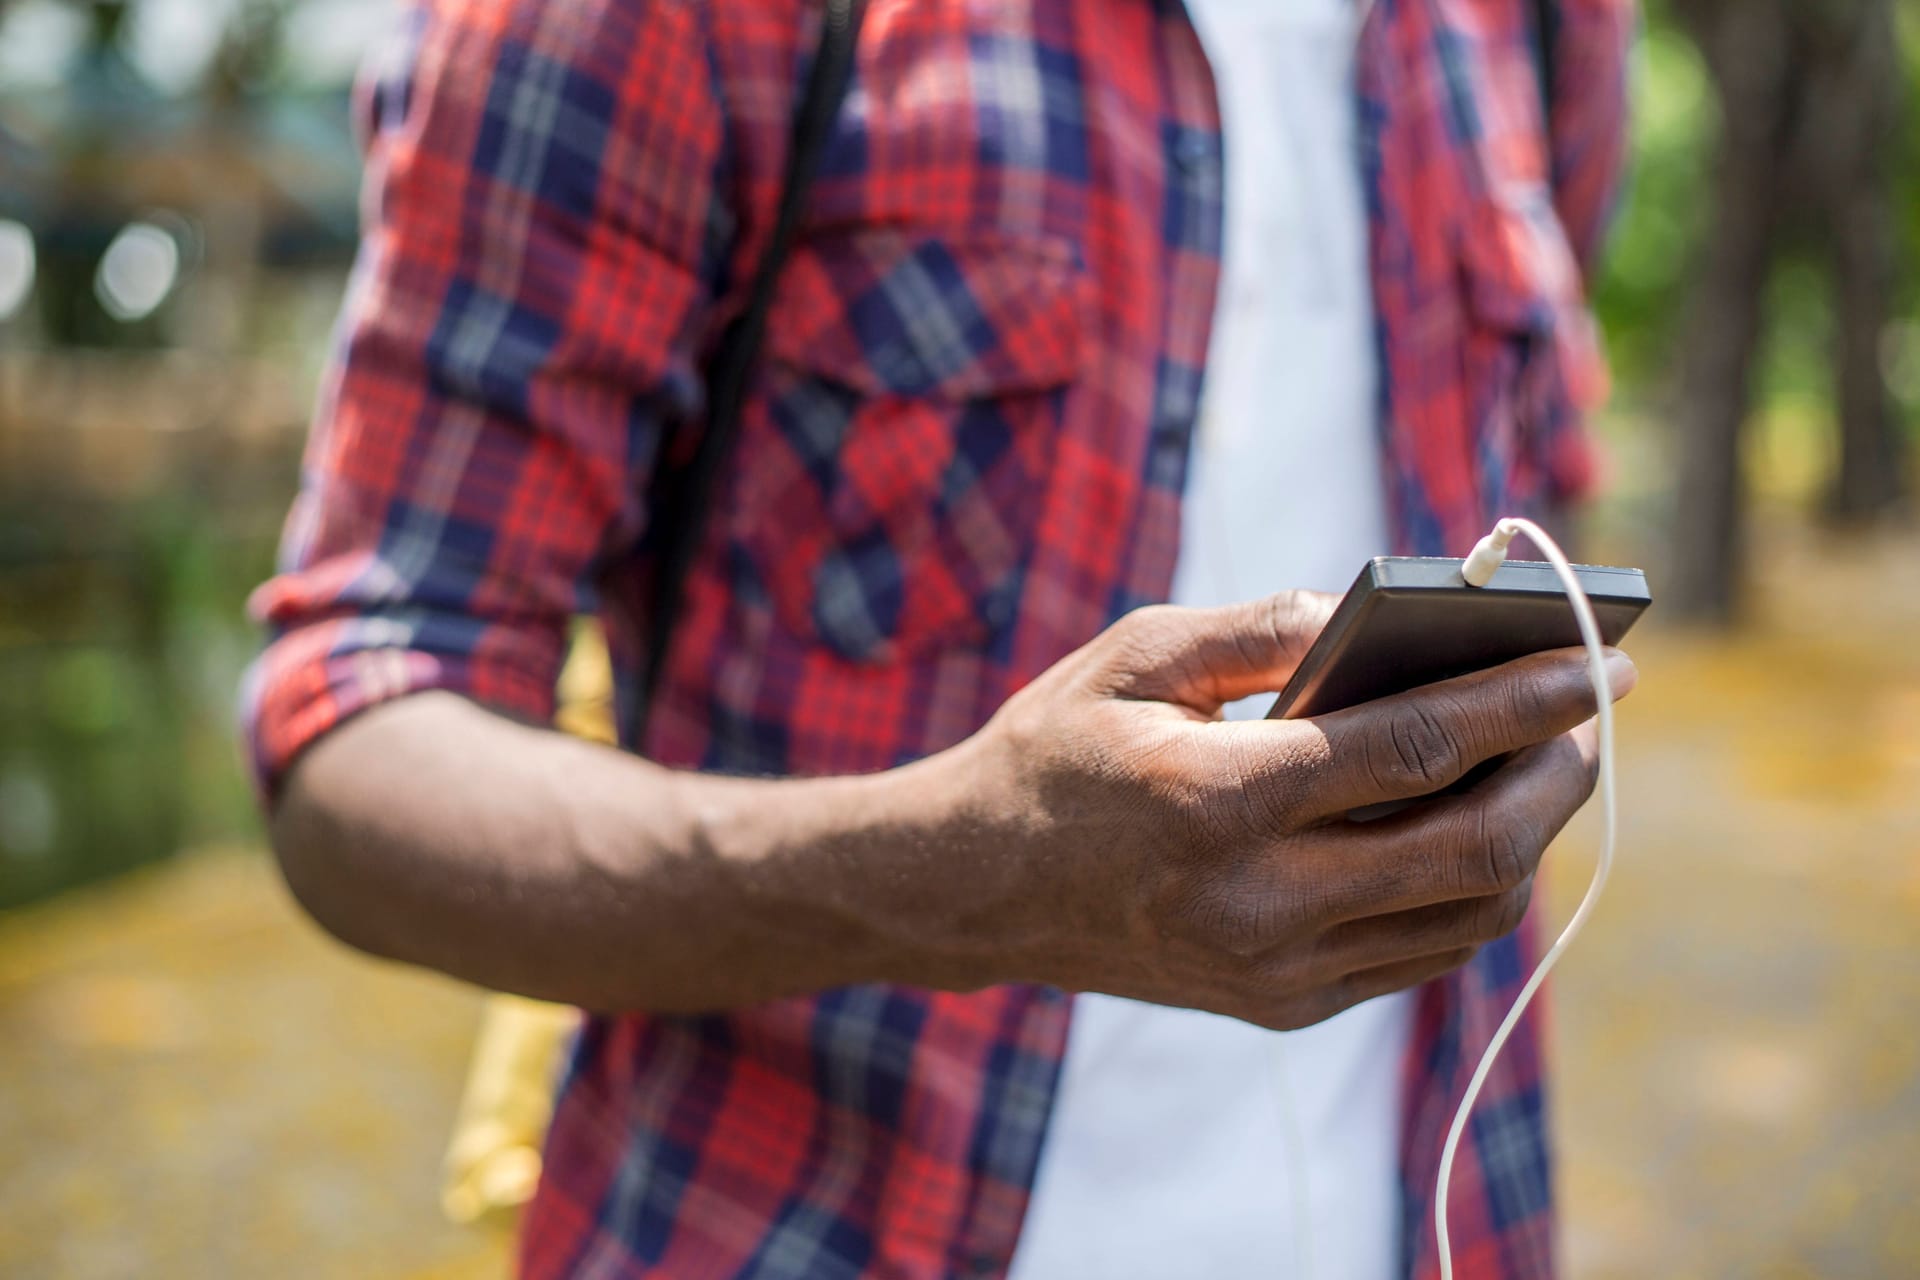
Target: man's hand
1104	832
1185	860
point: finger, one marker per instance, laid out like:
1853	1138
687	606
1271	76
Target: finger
1384	980
1358	988
1206	658
1417	743
1426	931
1479	844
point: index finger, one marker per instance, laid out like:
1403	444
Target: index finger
1422	741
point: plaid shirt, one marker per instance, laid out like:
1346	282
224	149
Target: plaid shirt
961	458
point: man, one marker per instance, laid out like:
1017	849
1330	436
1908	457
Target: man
969	774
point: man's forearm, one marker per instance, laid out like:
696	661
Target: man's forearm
435	832
1105	831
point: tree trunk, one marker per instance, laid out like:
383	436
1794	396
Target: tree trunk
1747	51
1847	138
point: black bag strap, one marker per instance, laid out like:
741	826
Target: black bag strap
1546	36
683	503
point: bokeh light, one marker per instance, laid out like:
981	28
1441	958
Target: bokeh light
138	271
29	818
17	265
39	40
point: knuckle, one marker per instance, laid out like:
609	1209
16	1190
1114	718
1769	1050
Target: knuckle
1301	968
1267	792
1531	704
1149	628
1142	649
1026	724
1517	902
1420	748
1257	647
1279	1015
1510	856
1314	1007
1509	845
1288	617
1278	991
1483	919
1241	927
1271	786
1248	925
1497	916
1221	816
1224	917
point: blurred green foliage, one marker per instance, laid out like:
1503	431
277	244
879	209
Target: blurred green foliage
1663	211
121	639
1642	291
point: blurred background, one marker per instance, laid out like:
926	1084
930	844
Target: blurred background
193	1083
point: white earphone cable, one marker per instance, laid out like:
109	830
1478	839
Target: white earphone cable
1478	568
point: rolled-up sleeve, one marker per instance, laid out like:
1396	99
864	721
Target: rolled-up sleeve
540	241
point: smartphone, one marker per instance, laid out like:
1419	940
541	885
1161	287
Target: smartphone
1409	621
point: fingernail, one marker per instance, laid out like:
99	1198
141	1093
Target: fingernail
1622	675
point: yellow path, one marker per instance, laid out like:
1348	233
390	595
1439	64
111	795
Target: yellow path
195	1085
1739	1034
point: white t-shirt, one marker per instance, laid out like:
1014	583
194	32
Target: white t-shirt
1175	1134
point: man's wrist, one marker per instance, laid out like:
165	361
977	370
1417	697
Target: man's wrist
904	876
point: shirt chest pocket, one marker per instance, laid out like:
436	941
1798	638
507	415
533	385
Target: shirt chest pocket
895	462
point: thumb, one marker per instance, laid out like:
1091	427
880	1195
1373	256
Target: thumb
1206	658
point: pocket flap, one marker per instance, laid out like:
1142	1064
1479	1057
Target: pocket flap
892	312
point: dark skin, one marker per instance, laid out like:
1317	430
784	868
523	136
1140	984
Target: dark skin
1105	831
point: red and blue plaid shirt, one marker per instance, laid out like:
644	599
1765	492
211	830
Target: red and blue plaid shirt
961	458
